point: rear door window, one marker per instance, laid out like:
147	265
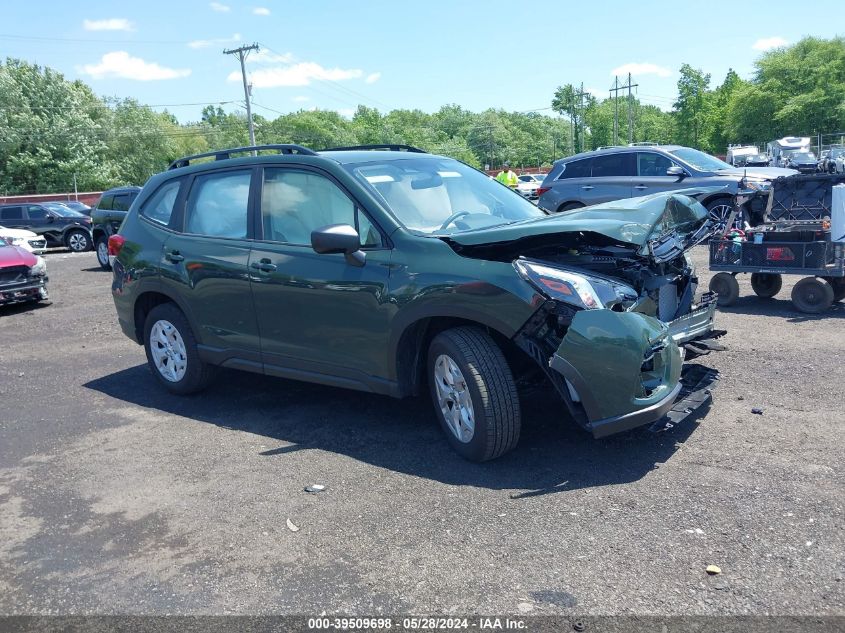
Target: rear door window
614	165
218	204
11	213
577	169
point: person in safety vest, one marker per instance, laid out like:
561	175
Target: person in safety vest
508	177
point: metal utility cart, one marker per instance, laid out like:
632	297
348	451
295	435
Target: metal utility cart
795	239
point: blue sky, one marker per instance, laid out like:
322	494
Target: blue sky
332	54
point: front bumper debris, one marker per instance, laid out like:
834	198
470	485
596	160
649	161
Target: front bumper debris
696	323
697	384
29	290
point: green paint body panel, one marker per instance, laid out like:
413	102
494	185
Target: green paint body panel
320	318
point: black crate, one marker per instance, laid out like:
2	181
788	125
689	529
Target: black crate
781	255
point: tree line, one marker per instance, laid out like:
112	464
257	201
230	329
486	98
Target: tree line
53	130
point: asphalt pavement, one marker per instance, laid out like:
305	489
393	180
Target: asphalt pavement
118	498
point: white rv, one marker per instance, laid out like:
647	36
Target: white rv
777	148
738	153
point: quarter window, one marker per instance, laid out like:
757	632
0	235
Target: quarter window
218	205
294	203
159	207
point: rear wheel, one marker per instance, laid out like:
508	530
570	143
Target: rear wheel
766	285
172	351
570	206
726	288
103	252
78	241
812	295
474	393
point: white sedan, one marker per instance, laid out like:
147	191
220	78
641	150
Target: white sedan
528	185
26	240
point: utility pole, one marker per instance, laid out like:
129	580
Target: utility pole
615	91
580	118
630	111
242	52
616	88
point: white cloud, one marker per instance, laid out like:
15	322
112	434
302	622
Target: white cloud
768	43
301	98
641	69
346	113
266	57
220	8
220	40
372	78
111	24
297	75
261	11
121	65
598	94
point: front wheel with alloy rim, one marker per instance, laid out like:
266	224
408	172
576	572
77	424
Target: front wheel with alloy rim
766	285
720	210
172	351
474	393
78	241
103	252
812	295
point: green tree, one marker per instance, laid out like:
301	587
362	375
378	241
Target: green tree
692	107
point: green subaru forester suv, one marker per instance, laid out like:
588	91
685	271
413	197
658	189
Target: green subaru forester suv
390	270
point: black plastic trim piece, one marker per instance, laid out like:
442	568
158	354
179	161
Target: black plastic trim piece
389	147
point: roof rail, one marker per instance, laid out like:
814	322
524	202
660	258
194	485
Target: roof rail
390	147
225	154
644	144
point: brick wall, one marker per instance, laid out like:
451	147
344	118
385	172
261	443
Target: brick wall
88	197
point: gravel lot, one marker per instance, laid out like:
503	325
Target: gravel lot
118	498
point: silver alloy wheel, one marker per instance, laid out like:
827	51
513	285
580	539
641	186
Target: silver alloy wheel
168	351
720	213
77	242
103	252
454	398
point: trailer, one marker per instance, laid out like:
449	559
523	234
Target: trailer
795	239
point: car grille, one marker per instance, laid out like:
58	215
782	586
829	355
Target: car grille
40	243
13	274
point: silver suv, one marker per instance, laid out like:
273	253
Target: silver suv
613	173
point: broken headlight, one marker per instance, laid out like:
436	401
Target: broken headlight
575	288
40	267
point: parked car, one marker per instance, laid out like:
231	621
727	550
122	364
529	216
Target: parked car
23	276
107	215
805	162
834	162
26	240
756	160
394	272
59	225
528	185
624	172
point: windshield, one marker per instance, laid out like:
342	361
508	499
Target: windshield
441	195
699	160
62	210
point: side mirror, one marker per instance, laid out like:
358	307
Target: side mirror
676	170
51	218
339	238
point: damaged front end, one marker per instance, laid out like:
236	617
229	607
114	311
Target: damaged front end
616	320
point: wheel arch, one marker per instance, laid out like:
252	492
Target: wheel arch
149	299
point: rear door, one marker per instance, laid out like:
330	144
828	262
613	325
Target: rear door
612	177
651	175
204	263
317	314
572	186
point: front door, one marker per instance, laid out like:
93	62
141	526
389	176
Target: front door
317	314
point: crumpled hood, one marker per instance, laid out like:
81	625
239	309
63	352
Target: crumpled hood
14	256
630	220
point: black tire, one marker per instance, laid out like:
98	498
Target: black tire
197	374
838	285
726	287
766	285
78	240
492	391
569	206
102	248
812	295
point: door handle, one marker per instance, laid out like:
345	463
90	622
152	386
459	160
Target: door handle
174	257
264	265
586	187
640	187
